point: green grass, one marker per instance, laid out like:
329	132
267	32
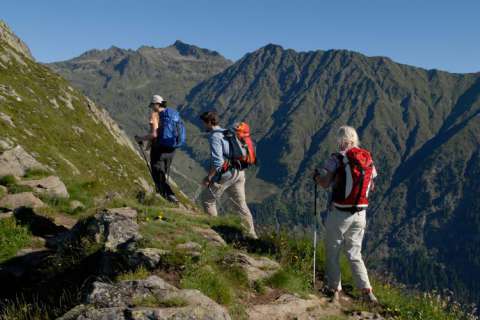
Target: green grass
34	174
290	280
95	153
139	274
152	301
403	304
20	309
13	237
11	183
210	282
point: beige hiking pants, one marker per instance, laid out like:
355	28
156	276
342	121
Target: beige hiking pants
346	230
235	189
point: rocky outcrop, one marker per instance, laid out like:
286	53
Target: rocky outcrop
147	257
114	228
51	186
210	235
17	161
152	298
24	199
13	41
102	115
290	306
255	268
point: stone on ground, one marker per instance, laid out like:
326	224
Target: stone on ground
24	199
115	228
210	235
76	205
147	257
152	298
17	161
289	306
51	186
255	268
191	248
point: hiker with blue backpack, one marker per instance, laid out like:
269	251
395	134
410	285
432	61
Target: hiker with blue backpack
349	173
232	151
167	133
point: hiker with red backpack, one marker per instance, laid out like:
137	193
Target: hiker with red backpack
232	151
349	173
167	133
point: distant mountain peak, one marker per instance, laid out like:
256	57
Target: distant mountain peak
7	35
186	49
272	46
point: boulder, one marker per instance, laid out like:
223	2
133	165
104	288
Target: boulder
17	161
24	199
191	248
6	214
152	298
148	257
255	268
363	315
114	228
211	236
51	186
6	143
7	119
76	205
289	306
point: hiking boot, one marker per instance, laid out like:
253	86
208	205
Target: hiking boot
335	298
368	296
333	295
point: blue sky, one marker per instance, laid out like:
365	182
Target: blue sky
442	34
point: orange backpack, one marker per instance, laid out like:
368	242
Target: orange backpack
242	148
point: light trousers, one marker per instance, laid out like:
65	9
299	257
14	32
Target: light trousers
346	230
234	187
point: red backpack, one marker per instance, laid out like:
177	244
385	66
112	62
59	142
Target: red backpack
353	179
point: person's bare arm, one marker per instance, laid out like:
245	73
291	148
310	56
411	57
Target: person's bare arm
153	132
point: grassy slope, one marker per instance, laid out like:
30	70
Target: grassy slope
47	132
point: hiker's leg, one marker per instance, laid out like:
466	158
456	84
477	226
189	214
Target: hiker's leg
156	174
335	226
167	162
237	194
353	247
159	169
209	198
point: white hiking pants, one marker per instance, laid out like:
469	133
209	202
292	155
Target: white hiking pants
235	189
346	230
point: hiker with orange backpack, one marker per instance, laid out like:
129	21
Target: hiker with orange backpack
232	151
350	173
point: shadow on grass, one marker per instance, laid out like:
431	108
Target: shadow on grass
38	225
239	240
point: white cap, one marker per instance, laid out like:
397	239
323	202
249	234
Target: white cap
157	99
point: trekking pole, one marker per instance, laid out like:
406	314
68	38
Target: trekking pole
140	146
315	230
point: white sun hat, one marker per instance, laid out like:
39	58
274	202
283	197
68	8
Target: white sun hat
157	99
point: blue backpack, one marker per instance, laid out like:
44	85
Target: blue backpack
171	132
